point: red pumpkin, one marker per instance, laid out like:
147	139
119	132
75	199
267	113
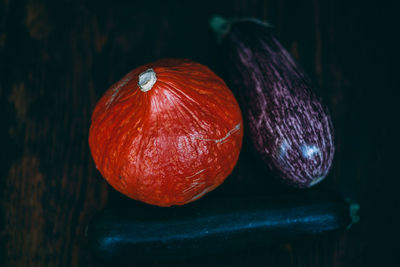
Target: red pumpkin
167	133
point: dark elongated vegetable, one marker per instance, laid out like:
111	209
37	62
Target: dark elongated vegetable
289	126
144	233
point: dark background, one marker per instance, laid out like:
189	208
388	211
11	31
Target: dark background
58	57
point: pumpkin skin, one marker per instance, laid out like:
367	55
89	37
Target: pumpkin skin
172	143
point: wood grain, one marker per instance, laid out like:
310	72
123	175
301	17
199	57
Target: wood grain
58	58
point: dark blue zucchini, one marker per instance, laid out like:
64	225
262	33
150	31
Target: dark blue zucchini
287	123
143	233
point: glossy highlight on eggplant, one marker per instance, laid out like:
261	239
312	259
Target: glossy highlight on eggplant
288	124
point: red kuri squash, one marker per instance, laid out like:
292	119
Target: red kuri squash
167	133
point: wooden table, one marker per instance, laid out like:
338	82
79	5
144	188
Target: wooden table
58	58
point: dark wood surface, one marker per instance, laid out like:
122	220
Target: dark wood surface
58	57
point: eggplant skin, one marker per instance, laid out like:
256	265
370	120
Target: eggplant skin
289	126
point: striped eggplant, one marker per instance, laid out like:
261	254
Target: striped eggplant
289	126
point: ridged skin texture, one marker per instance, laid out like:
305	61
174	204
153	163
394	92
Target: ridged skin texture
289	126
171	144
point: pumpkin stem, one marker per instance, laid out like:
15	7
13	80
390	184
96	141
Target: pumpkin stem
147	79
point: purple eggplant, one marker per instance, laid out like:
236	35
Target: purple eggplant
289	126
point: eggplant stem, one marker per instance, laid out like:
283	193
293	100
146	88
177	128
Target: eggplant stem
222	26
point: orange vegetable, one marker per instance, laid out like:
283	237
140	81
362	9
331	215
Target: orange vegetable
167	133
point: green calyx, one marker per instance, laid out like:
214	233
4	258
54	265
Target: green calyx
220	26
